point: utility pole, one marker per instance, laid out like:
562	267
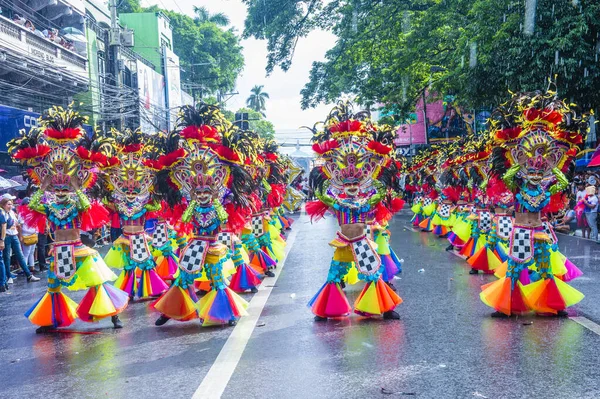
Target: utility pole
115	47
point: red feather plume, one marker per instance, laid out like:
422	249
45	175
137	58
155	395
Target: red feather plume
38	151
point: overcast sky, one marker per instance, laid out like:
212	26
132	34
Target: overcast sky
283	109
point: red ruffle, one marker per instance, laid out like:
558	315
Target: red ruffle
95	217
382	214
396	205
557	203
316	210
33	218
237	217
276	196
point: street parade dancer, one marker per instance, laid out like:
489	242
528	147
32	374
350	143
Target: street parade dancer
495	251
62	160
352	153
480	217
203	161
131	180
536	137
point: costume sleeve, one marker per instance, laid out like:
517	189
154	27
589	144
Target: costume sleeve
561	183
84	203
35	203
153	206
509	176
187	214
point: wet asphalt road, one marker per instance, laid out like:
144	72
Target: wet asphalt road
445	345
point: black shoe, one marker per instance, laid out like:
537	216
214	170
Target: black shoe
43	329
319	318
450	247
161	320
43	268
391	315
116	322
2	289
562	313
392	286
342	284
499	315
6	287
269	274
473	271
254	290
232	322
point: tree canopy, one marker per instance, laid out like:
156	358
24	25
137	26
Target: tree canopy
477	50
210	56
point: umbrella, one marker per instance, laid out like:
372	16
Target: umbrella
69	30
595	158
8	183
18	179
75	38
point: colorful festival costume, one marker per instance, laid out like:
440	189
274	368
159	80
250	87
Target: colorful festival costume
351	184
62	162
131	182
204	162
537	137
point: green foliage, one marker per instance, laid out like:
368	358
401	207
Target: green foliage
257	99
258	123
199	41
129	6
390	51
203	15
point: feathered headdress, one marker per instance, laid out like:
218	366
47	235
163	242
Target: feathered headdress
208	151
58	149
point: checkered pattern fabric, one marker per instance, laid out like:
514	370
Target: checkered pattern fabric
522	244
427	201
548	230
367	260
504	227
64	261
193	256
444	210
369	231
485	221
258	228
138	248
225	239
160	236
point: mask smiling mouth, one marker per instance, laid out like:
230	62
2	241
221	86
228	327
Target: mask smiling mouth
351	189
203	196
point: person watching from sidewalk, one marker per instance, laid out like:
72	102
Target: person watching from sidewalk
591	211
28	236
11	241
41	249
4	271
568	223
580	208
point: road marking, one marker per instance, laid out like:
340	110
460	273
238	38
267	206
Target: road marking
587	323
214	383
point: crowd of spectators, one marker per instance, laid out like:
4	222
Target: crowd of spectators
580	217
50	34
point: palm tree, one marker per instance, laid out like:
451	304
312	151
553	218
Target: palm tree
203	15
257	99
